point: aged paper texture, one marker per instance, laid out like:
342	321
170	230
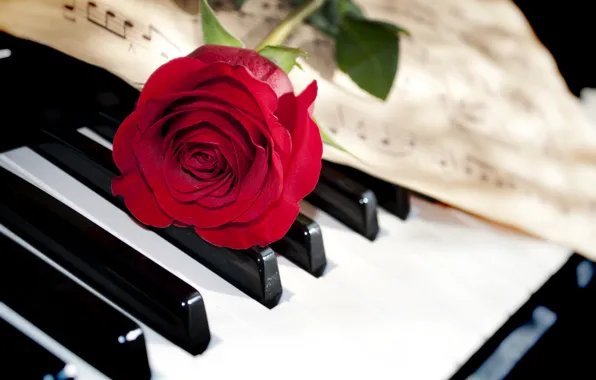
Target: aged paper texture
479	117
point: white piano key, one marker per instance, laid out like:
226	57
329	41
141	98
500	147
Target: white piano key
456	276
478	261
419	325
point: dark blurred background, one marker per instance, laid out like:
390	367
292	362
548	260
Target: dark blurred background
566	29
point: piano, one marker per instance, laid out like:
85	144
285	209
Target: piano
371	280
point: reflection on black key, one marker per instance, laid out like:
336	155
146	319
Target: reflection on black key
391	197
70	314
123	275
346	200
550	336
254	271
23	358
303	245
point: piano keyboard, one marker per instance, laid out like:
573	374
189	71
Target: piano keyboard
366	283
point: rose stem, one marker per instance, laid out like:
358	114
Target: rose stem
283	30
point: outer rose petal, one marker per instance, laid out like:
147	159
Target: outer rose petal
122	153
139	199
270	227
302	174
210	80
262	68
130	185
177	75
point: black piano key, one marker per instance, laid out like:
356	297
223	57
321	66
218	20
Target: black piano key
104	130
391	197
23	358
126	277
70	314
347	201
303	245
253	271
549	336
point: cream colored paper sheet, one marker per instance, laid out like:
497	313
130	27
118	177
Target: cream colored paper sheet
479	118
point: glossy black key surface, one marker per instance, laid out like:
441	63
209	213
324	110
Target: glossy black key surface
346	200
550	336
391	197
70	314
303	245
253	271
99	259
23	358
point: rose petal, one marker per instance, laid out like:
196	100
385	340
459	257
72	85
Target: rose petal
151	162
304	169
188	187
271	226
251	179
269	193
231	142
140	201
122	145
175	76
137	195
262	68
283	145
256	176
238	127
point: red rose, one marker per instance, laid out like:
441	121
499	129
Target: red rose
219	141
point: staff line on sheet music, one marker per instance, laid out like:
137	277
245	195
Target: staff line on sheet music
114	23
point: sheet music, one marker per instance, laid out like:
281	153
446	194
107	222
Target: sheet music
479	118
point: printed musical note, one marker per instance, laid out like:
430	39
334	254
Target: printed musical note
154	34
107	20
485	172
68	10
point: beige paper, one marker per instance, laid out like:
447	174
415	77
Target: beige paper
479	117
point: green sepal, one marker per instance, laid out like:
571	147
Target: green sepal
283	56
213	32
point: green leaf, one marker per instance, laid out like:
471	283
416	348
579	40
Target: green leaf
348	8
282	56
238	4
328	140
394	28
367	51
213	32
329	17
